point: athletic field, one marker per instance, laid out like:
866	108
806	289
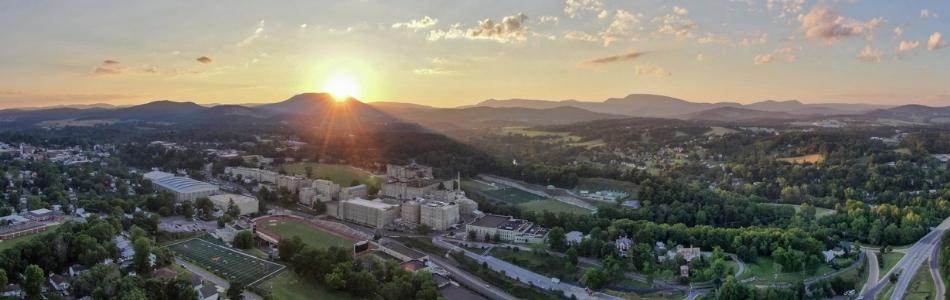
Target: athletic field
227	263
311	235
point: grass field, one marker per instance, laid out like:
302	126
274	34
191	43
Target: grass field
229	264
7	244
890	259
810	159
512	195
922	286
553	206
764	271
819	211
289	286
553	136
343	175
310	235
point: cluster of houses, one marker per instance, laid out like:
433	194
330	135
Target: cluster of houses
67	156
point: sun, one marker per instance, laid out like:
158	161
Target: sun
342	87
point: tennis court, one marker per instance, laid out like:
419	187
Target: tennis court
229	264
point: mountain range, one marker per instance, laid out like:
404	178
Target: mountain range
319	109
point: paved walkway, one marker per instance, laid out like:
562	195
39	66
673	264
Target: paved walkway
213	278
940	288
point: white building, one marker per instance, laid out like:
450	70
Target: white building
508	229
439	215
371	213
183	188
247	205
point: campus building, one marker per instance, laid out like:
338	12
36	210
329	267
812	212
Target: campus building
247	205
439	215
410	189
183	188
410	211
353	192
371	213
408	172
252	174
507	229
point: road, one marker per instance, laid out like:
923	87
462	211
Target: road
213	278
873	269
914	258
524	275
470	281
941	290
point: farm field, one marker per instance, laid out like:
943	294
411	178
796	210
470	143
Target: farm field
229	264
810	159
343	175
553	136
310	235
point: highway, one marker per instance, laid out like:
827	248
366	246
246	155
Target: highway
524	275
470	281
914	258
873	269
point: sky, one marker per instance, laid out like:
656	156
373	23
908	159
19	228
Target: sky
453	53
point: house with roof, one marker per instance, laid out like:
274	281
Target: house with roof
59	283
207	291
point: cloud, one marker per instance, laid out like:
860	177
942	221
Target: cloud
548	19
757	39
934	42
907	46
258	32
926	14
869	54
789	54
898	32
573	8
701	58
680	10
509	29
109	67
575	35
615	58
654	71
786	7
675	24
624	26
823	23
432	71
150	69
419	24
204	60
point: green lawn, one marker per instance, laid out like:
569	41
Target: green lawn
553	206
922	286
548	265
289	286
343	175
512	195
890	259
819	211
310	235
7	244
764	271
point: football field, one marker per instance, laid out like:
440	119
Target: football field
227	263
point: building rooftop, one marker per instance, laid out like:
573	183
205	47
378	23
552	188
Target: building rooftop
371	203
238	199
183	184
493	221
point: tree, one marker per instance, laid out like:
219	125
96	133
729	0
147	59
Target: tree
3	278
288	248
244	240
236	291
423	229
205	208
319	207
140	260
33	281
308	170
556	239
187	209
233	210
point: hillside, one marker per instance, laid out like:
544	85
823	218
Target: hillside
735	114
